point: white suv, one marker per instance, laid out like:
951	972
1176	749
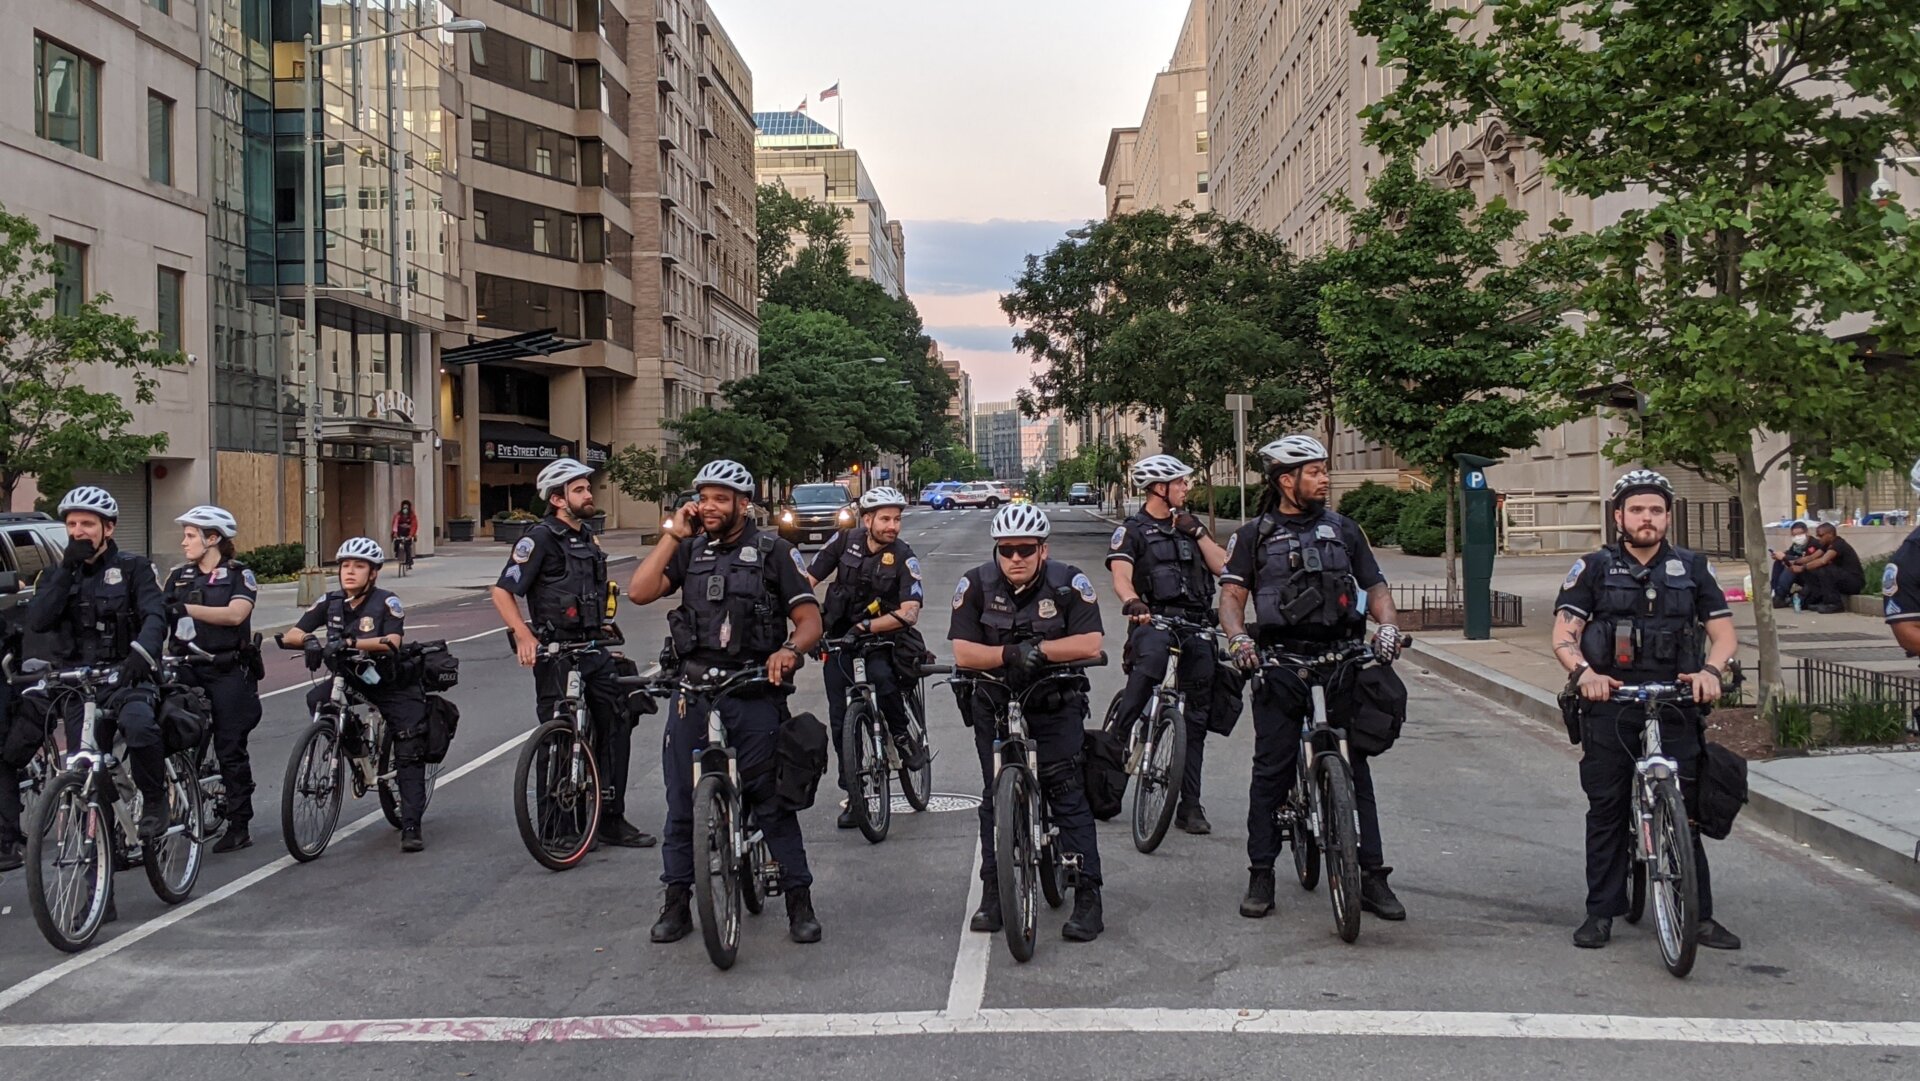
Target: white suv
977	494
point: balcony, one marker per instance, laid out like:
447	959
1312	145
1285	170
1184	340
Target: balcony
667	140
667	198
668	258
661	22
706	181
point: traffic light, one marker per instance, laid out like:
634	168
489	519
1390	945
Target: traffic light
854	469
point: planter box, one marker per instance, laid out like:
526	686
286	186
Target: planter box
511	532
460	531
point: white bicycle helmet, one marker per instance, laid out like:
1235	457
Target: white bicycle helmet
365	549
1641	480
557	475
92	500
1158	468
726	473
883	496
208	516
1292	450
1020	520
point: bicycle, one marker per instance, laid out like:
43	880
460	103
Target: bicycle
1663	863
323	766
1321	815
1024	837
1157	740
200	758
870	755
403	554
732	868
83	827
558	792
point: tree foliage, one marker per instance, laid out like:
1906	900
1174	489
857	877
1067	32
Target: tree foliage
644	474
797	232
51	421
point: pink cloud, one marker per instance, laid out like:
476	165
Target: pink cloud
996	375
961	310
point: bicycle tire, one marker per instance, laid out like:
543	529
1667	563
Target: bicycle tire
1016	860
213	792
1636	884
557	831
917	784
66	829
1340	820
173	862
1675	885
323	792
716	869
1306	847
748	876
1161	774
869	783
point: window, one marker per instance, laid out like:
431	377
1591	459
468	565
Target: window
69	277
1200	143
27	554
66	97
541	243
543	161
164	7
537	64
159	138
1200	182
170	284
479	225
1199	102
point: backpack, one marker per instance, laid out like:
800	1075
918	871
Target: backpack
1723	790
1103	772
443	722
184	715
1378	709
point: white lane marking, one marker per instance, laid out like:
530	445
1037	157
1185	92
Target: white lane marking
969	987
18	992
1607	1028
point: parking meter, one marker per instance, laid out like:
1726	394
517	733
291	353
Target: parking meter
1479	539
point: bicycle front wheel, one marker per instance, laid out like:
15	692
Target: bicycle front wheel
69	864
1340	840
863	753
1161	773
1636	882
1673	878
716	869
556	805
1016	859
311	793
173	861
917	784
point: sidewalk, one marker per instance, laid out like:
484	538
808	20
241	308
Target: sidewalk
1862	807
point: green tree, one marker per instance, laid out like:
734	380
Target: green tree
645	474
753	440
1715	297
1429	328
795	231
51	422
958	463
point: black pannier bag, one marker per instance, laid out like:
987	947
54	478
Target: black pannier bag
800	760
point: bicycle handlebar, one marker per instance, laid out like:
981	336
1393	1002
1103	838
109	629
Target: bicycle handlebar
1175	623
1652	692
1053	670
79	677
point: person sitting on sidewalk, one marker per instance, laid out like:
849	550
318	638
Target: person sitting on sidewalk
1832	572
1785	572
1634	612
1901	585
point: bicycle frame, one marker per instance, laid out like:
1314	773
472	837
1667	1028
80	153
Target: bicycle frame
1167	694
1654	764
97	764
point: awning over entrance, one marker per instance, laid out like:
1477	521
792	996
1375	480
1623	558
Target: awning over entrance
505	441
534	343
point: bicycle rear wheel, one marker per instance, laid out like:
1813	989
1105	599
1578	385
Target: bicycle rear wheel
1306	847
69	864
716	870
752	861
863	753
1161	774
1340	823
173	861
1016	858
917	784
311	793
1675	887
556	810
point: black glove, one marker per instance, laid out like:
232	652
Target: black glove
1023	659
78	552
1135	607
1190	525
136	668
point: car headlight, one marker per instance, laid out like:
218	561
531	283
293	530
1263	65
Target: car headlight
844	516
786	517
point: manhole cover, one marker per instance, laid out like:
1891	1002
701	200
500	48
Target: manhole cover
941	803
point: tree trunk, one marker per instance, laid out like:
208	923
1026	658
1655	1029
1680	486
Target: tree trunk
1759	564
1213	500
1453	555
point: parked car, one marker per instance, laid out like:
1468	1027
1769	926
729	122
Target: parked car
30	542
930	495
1082	493
815	512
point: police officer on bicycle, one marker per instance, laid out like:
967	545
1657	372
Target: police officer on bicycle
561	570
1306	569
1014	615
1632	612
372	621
738	588
1163	563
218	595
876	590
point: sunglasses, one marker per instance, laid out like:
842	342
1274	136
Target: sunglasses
1017	551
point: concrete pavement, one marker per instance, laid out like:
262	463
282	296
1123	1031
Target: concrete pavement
471	961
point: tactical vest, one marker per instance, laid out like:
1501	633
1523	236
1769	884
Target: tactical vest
730	602
388	665
859	579
1044	615
1303	584
215	590
570	594
105	620
1170	572
1644	625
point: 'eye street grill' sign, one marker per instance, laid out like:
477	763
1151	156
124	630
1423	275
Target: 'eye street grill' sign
524	452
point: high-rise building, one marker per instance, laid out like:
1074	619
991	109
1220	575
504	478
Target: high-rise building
809	159
97	148
996	439
1171	156
960	406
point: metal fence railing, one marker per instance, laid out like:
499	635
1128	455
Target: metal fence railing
1435	608
1827	684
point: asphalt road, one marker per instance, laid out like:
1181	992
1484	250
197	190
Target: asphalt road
471	961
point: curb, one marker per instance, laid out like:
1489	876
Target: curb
1780	807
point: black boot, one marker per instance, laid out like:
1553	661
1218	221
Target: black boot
913	752
1086	923
986	918
1594	933
676	915
1259	899
802	927
617	831
1192	818
234	839
12	855
410	840
1715	937
1377	897
153	816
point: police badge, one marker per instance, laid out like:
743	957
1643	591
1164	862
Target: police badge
1048	609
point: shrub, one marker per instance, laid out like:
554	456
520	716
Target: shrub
1422	528
1791	721
1876	572
1860	719
1376	508
274	560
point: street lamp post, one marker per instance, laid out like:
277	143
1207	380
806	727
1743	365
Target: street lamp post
312	579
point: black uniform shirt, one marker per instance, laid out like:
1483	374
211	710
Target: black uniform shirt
1243	548
1079	606
1901	582
789	566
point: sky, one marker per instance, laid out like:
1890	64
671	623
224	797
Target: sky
982	124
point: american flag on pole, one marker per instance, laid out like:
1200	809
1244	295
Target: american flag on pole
830	92
802	107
